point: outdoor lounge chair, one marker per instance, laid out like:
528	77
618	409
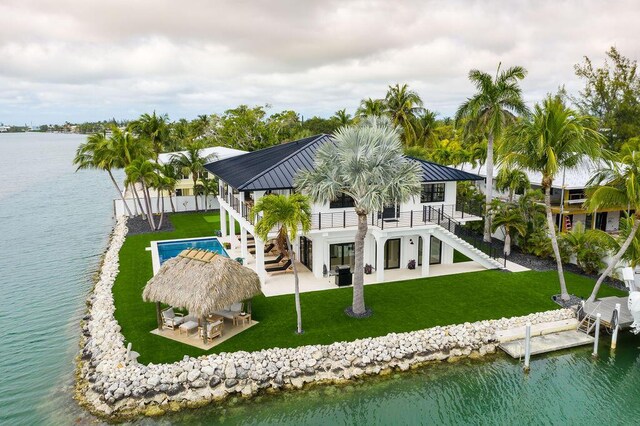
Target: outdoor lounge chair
267	249
279	268
171	319
214	329
276	260
230	312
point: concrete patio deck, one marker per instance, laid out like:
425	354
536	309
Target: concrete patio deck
280	283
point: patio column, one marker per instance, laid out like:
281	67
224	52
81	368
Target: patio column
380	258
260	260
159	316
426	253
232	231
223	220
244	252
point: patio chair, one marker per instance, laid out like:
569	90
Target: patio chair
279	268
230	312
267	248
214	329
172	319
276	260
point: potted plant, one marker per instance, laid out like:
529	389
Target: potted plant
368	269
226	245
411	264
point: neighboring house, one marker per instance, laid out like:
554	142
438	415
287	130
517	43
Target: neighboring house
183	196
568	190
417	230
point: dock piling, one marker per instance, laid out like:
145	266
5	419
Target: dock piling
616	326
597	336
527	347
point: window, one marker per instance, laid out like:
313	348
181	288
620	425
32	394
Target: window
341	254
343	201
432	193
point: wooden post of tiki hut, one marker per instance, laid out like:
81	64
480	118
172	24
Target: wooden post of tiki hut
201	282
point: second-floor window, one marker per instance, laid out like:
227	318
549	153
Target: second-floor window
432	193
343	201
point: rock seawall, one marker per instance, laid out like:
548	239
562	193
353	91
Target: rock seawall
110	387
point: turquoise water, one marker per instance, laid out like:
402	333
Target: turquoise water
169	249
44	284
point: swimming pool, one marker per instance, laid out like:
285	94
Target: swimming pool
168	249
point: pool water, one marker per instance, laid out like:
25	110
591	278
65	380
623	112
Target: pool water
170	249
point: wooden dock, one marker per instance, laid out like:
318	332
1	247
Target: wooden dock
548	343
605	308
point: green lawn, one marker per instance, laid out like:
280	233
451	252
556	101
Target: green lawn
398	307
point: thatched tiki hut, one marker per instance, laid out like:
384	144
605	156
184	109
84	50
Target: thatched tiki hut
201	282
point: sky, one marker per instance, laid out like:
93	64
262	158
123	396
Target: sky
84	60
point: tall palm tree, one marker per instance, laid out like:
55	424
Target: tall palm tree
494	106
403	106
171	178
98	153
289	213
512	180
144	172
509	216
364	162
191	162
620	186
554	138
424	125
208	187
342	117
154	129
370	108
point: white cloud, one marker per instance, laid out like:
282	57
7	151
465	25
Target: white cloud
85	59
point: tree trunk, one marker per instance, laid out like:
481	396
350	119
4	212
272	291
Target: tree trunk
507	241
292	256
158	192
195	192
615	260
358	306
161	213
488	189
159	316
203	320
205	202
554	240
173	208
135	205
135	194
147	202
126	206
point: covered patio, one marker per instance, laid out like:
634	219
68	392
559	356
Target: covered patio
215	291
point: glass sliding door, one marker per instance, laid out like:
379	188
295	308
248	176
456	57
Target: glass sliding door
435	253
306	252
392	254
341	254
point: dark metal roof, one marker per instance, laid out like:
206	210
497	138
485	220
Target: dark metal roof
275	167
434	172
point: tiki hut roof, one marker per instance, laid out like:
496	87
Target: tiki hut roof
202	282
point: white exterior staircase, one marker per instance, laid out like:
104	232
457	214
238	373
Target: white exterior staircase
467	248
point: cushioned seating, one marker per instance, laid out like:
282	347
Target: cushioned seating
171	319
230	312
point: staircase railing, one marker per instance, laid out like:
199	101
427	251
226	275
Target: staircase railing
450	224
586	324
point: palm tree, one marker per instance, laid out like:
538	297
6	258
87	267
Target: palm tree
554	138
512	180
98	153
490	110
208	187
171	178
289	213
403	106
144	172
191	162
620	186
364	162
152	128
370	108
588	245
509	216
425	124
342	117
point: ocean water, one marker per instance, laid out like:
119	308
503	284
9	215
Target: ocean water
54	225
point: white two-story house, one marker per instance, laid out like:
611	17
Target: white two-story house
422	230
